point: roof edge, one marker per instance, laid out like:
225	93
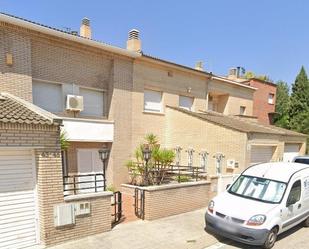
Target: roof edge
7	18
47	115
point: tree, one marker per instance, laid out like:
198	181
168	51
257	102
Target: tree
250	75
282	105
299	101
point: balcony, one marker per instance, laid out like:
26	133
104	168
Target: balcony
88	130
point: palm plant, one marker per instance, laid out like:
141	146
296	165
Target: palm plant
157	166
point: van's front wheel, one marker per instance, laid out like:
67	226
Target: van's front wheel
271	238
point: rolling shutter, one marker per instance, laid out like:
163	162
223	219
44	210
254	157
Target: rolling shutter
261	154
18	213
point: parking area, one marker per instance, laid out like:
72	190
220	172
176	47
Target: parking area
184	231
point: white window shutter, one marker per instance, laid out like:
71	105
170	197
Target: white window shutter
186	102
48	96
152	101
93	102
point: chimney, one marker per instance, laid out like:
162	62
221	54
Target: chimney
133	42
199	66
85	30
232	73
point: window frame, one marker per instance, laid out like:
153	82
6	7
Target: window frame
82	113
244	110
187	97
300	190
160	104
61	96
271	100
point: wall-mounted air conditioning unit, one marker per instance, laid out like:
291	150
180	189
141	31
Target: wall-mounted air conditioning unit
75	103
230	163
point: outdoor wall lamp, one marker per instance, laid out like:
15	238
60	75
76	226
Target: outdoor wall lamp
104	153
146	153
146	156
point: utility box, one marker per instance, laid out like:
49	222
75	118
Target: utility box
82	208
64	215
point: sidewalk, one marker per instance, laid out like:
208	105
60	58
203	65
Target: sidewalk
184	231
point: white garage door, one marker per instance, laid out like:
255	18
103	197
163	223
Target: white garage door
261	154
18	212
290	151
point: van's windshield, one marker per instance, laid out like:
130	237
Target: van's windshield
259	189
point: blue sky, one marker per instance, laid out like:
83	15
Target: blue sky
265	36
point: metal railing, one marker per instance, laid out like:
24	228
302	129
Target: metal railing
83	183
117	204
171	173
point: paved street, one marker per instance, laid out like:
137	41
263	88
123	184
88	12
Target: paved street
184	231
296	238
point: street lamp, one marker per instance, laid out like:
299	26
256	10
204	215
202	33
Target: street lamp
146	155
104	153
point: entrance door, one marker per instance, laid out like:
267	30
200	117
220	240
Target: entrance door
261	154
290	151
18	199
89	163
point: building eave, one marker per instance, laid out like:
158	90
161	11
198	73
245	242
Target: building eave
6	18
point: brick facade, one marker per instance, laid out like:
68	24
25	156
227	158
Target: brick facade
261	108
163	201
44	140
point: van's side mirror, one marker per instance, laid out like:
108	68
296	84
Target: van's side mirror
227	186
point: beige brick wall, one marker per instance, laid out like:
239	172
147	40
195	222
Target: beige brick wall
171	200
279	143
15	79
190	132
237	96
45	142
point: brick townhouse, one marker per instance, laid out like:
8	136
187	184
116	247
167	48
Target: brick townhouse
264	98
108	97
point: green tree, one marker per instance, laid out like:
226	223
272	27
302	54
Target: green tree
299	102
250	75
282	105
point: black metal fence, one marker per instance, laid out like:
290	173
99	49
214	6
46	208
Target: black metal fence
83	183
139	203
117	204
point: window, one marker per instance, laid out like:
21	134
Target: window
48	96
93	102
259	189
242	110
271	98
295	193
152	101
186	102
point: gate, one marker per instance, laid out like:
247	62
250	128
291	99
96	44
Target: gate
117	204
139	203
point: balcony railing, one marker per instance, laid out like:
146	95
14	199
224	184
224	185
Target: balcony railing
83	183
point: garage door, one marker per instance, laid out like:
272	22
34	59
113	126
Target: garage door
290	151
261	154
18	212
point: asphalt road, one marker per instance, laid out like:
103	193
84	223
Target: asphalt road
295	238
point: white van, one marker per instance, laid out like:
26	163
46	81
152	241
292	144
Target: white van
264	201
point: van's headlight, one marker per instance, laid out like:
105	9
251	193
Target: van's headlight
256	220
211	206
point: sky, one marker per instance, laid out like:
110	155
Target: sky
268	37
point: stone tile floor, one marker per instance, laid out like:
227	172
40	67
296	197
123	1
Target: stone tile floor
184	231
